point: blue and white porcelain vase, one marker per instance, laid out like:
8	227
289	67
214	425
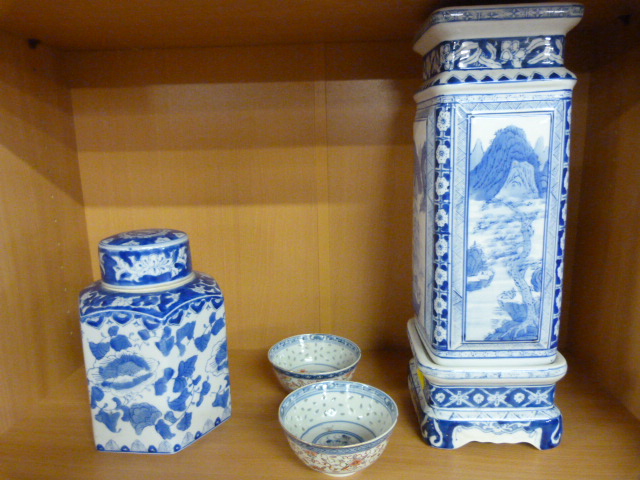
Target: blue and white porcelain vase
492	136
155	345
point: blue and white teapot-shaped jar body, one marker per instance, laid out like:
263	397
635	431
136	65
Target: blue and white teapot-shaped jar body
155	345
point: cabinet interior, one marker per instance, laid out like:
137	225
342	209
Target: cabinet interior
280	139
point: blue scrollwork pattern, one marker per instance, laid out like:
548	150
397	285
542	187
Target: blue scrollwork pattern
503	53
444	433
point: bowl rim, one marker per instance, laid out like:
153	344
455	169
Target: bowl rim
350	344
342	448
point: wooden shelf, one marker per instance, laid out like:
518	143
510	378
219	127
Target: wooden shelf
263	135
602	439
114	24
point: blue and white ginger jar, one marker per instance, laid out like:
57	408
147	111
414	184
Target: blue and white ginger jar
155	345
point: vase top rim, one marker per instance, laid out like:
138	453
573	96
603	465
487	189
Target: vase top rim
483	21
524	11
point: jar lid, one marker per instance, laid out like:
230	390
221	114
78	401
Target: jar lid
145	258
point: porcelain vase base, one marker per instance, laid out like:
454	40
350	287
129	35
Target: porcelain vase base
450	427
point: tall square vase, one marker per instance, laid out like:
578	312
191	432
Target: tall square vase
492	141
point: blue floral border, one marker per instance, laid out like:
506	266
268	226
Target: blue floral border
98	304
495	53
339	450
438	423
536	396
340	387
315	337
316	376
165	447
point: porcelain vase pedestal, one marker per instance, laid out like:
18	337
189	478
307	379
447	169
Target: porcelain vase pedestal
492	141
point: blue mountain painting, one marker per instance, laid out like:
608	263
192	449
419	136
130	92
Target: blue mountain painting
508	188
509	165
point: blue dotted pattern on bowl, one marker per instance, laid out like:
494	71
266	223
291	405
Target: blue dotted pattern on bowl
342	360
317	396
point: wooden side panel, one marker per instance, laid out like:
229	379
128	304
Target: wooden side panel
605	327
42	231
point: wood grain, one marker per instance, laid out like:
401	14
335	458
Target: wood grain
606	298
289	161
601	441
232	164
111	24
139	24
296	194
43	239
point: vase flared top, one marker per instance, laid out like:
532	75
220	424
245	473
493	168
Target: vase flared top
497	43
497	21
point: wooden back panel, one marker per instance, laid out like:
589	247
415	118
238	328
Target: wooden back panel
289	166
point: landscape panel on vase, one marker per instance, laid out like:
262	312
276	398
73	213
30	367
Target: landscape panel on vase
509	171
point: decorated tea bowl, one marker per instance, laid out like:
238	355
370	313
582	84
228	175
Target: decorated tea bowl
338	427
314	357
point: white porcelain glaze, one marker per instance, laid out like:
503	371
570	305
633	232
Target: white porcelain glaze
492	145
491	185
509	404
314	357
155	345
338	427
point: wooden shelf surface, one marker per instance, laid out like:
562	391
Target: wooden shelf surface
114	24
602	439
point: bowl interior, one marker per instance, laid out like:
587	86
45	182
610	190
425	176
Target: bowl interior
336	414
314	353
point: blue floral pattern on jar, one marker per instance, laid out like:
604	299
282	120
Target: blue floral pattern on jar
157	365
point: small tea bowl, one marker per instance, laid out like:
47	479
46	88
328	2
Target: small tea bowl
313	357
338	427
